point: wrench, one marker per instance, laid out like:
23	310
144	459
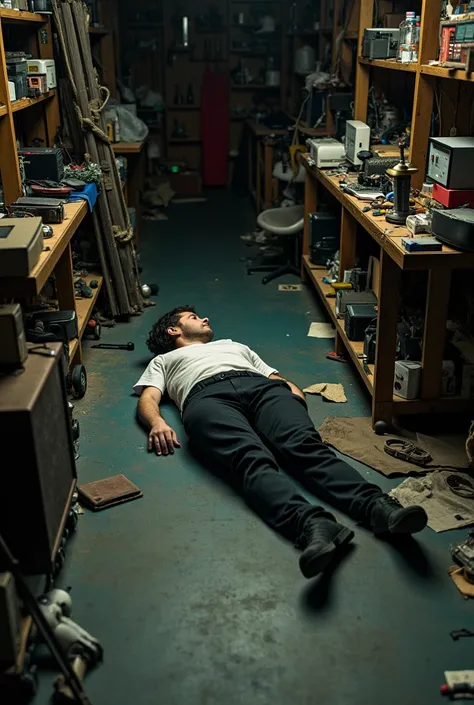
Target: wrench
115	346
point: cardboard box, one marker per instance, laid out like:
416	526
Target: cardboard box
392	20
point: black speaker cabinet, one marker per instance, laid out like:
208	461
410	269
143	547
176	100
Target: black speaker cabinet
38	474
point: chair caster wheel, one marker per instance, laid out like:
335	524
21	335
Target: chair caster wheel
382	427
79	381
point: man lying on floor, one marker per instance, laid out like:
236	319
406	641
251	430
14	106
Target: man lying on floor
247	421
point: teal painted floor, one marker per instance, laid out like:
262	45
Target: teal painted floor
195	600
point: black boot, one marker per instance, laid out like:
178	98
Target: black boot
320	541
389	517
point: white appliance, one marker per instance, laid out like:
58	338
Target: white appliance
12	91
326	151
407	380
357	140
45	67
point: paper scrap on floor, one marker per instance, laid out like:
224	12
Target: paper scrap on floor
355	437
331	392
447	497
456	574
290	287
321	330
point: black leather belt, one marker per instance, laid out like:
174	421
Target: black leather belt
217	378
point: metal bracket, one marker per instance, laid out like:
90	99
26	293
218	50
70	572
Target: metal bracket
43	36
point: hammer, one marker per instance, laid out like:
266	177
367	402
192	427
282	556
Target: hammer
115	346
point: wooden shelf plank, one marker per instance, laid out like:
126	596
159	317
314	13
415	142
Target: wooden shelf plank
3	110
73	346
23	103
128	147
62	234
388	64
84	306
21	16
442	72
184	140
101	31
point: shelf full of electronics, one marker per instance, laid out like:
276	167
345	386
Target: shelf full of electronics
433	219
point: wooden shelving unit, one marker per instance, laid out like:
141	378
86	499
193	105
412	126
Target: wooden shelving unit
41	120
57	259
393	260
354	347
391	64
84	307
426	76
12	16
334	54
39	40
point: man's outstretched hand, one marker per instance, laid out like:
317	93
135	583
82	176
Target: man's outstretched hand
162	439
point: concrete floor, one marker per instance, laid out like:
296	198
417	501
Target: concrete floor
196	601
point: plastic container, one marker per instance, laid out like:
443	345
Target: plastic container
409	40
305	60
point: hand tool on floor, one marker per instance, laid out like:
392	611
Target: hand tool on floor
404	450
460	634
115	346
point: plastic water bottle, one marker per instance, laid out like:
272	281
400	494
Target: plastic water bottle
408	44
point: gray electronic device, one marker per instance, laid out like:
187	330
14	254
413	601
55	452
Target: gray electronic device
13	350
380	43
21	244
357	140
346	297
450	161
407	379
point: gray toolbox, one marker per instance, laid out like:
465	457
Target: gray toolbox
347	296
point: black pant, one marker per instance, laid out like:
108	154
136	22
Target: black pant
248	426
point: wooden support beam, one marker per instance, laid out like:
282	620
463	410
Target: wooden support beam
347	248
366	17
434	336
386	339
421	125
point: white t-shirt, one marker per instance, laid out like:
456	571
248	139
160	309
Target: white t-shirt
179	370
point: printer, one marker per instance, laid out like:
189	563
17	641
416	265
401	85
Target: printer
326	151
21	244
380	43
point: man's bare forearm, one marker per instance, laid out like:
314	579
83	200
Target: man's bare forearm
294	388
149	411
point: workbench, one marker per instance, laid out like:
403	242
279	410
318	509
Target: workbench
261	143
136	172
393	260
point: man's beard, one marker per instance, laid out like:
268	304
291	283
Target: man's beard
204	335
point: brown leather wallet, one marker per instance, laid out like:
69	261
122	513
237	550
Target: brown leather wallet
103	494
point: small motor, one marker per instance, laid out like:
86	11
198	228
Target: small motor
463	554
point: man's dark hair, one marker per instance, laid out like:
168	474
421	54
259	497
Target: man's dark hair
159	341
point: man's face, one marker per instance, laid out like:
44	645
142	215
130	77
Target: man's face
194	328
